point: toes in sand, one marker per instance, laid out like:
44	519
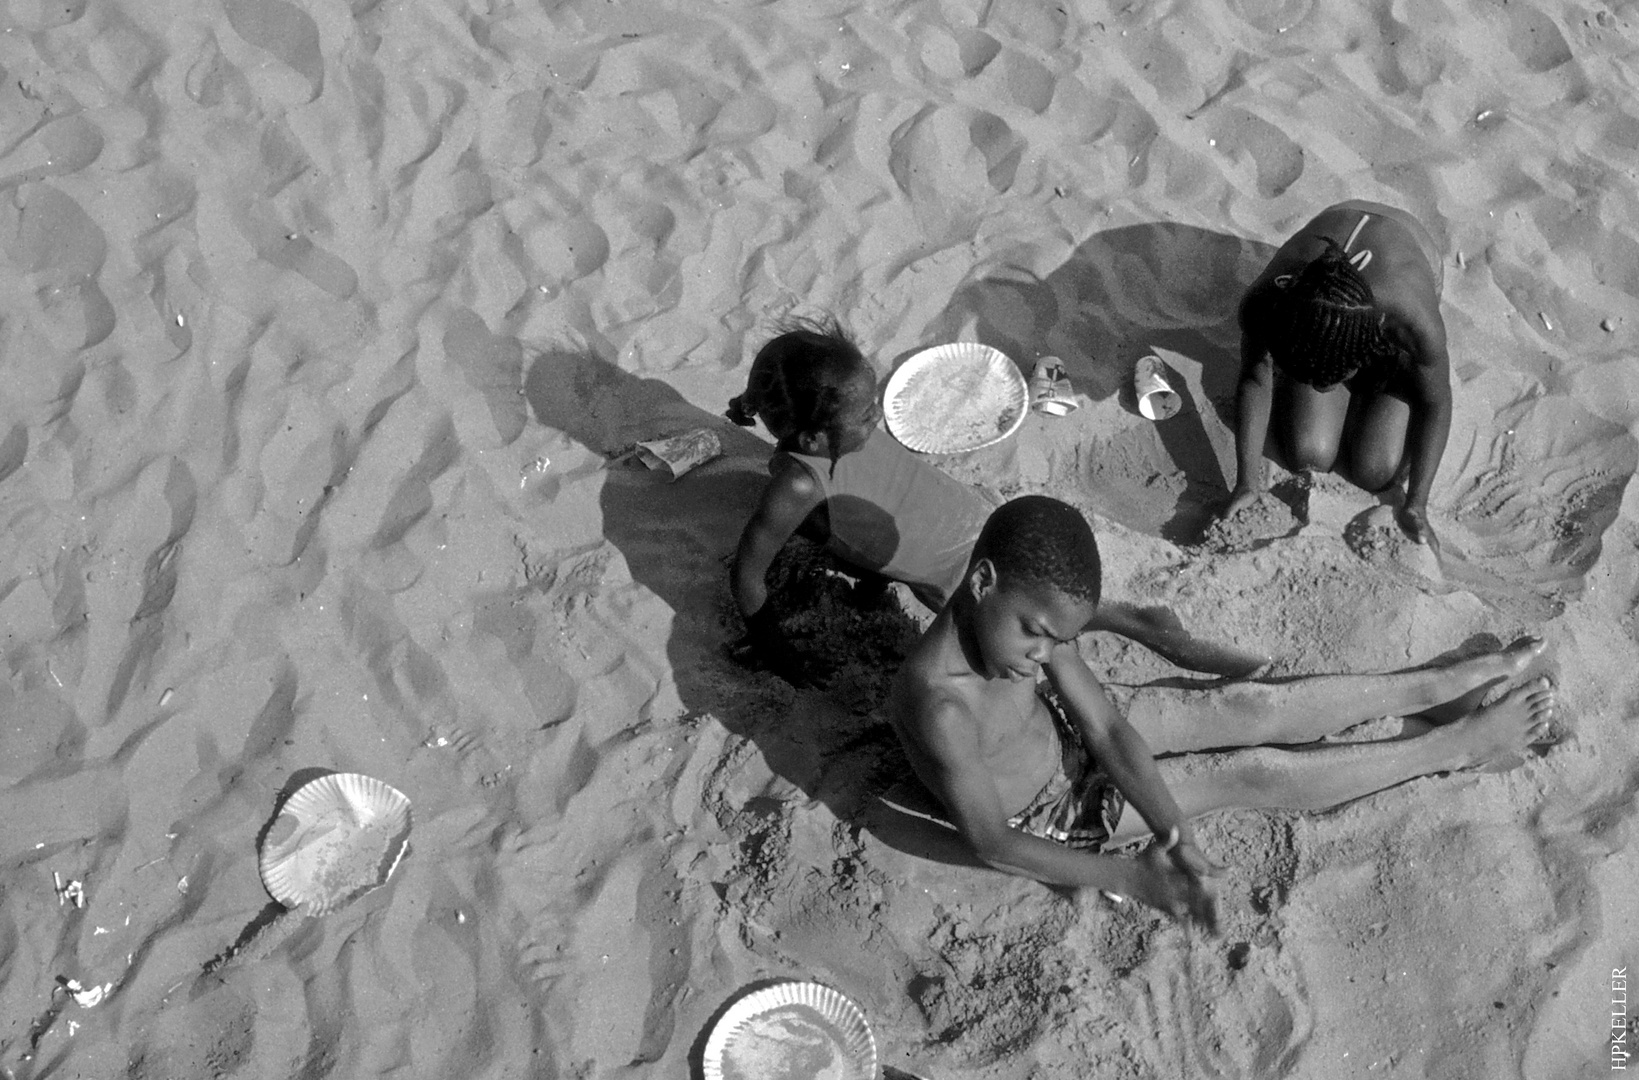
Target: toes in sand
1514	721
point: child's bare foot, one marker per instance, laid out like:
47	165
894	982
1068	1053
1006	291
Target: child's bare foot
1521	717
1464	683
1509	663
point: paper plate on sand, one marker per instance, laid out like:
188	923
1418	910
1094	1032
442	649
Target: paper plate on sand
349	832
792	1031
954	398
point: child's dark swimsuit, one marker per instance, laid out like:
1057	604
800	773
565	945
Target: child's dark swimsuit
1079	806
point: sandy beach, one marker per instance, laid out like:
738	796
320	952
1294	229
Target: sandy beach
323	327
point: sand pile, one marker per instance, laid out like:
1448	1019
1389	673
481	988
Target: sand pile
321	323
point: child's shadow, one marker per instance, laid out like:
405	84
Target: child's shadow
675	536
1123	293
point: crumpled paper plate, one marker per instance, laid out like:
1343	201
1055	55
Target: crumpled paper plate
791	1031
954	398
350	831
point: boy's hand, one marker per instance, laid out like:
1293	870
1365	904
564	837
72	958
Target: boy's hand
1190	859
1170	880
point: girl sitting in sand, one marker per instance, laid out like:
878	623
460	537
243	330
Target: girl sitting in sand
841	481
1343	352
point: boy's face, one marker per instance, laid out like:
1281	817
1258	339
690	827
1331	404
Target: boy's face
1017	627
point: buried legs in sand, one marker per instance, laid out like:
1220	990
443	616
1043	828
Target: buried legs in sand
1253	715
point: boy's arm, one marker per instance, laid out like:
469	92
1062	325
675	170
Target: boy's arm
1115	744
947	758
1125	755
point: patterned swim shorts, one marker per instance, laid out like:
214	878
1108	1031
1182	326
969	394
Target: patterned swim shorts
1079	806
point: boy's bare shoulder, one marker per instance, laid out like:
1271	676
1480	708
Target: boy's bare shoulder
925	696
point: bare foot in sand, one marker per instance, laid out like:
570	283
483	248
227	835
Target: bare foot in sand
1522	716
1471	678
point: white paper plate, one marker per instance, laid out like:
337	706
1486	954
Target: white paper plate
953	398
792	1031
350	832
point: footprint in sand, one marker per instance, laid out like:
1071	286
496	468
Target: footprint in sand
1001	148
155	519
1273	16
13	450
285	31
1018	79
492	364
293	251
40	16
1279	160
63	250
57	149
412	499
1533	38
569	248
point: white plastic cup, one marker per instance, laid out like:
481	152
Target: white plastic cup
1157	400
1050	390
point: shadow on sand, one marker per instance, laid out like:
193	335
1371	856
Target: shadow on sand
1158	287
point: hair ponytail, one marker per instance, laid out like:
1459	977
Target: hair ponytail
741	413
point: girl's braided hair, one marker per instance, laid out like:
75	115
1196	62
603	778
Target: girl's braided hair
804	381
1324	326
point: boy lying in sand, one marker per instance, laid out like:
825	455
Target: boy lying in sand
1039	777
1343	352
840	480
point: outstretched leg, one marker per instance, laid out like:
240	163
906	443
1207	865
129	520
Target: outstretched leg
1264	778
1303	710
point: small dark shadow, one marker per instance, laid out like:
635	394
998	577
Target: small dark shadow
907	818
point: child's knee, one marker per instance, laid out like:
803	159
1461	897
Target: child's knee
1309	449
1374	469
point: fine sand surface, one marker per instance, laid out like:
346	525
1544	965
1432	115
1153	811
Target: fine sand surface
319	323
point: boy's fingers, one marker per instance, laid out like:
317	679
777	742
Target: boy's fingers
1194	860
1205	911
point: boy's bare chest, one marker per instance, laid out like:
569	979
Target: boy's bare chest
1013	720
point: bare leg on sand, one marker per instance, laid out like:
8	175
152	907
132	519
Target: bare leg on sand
1305	709
1266	778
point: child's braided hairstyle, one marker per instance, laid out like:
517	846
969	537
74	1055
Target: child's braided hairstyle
803	381
1324	326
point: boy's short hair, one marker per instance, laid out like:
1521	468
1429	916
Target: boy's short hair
1039	539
